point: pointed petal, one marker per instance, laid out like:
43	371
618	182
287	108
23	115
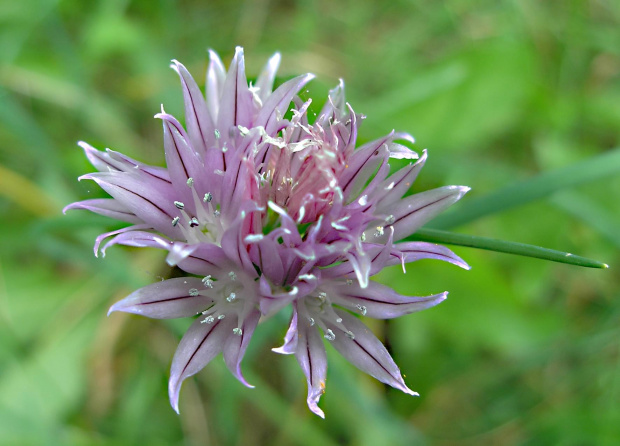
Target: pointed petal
414	211
312	358
206	259
379	301
201	343
265	79
216	75
197	118
290	339
236	106
412	251
106	207
278	102
169	299
182	161
362	164
150	199
235	346
397	185
131	237
366	352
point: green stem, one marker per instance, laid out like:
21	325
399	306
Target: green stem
472	241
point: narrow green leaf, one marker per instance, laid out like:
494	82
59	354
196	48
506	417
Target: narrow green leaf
521	249
540	186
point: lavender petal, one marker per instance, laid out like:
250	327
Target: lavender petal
169	299
235	346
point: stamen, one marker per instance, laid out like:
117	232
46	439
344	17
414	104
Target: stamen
193	292
350	334
390	219
217	134
232	275
194	222
363	237
208	320
231	297
207	281
175	221
221	316
349	282
311	320
329	335
190	182
322	296
379	232
339	320
237	331
208	197
217	213
179	205
362	309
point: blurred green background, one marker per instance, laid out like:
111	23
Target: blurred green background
522	352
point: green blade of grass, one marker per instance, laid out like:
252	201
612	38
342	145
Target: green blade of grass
522	249
540	186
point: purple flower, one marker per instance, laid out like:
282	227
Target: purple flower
264	212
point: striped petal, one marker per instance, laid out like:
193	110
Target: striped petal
168	299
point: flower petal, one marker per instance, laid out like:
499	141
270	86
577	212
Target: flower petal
206	259
412	251
235	345
397	185
277	104
290	339
201	343
378	301
312	358
216	76
197	118
412	212
169	299
236	105
150	199
366	352
264	81
106	207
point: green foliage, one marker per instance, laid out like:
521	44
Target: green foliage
523	351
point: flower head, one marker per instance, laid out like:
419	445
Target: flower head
264	212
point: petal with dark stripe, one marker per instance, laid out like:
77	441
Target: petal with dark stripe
236	344
366	352
168	299
379	301
312	358
201	343
107	207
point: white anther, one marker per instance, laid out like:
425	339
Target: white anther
208	320
338	320
390	219
349	282
379	231
362	309
231	297
221	316
207	281
217	134
232	275
208	197
350	334
363	237
193	292
175	221
311	320
322	296
329	335
237	331
194	222
179	205
217	213
190	182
